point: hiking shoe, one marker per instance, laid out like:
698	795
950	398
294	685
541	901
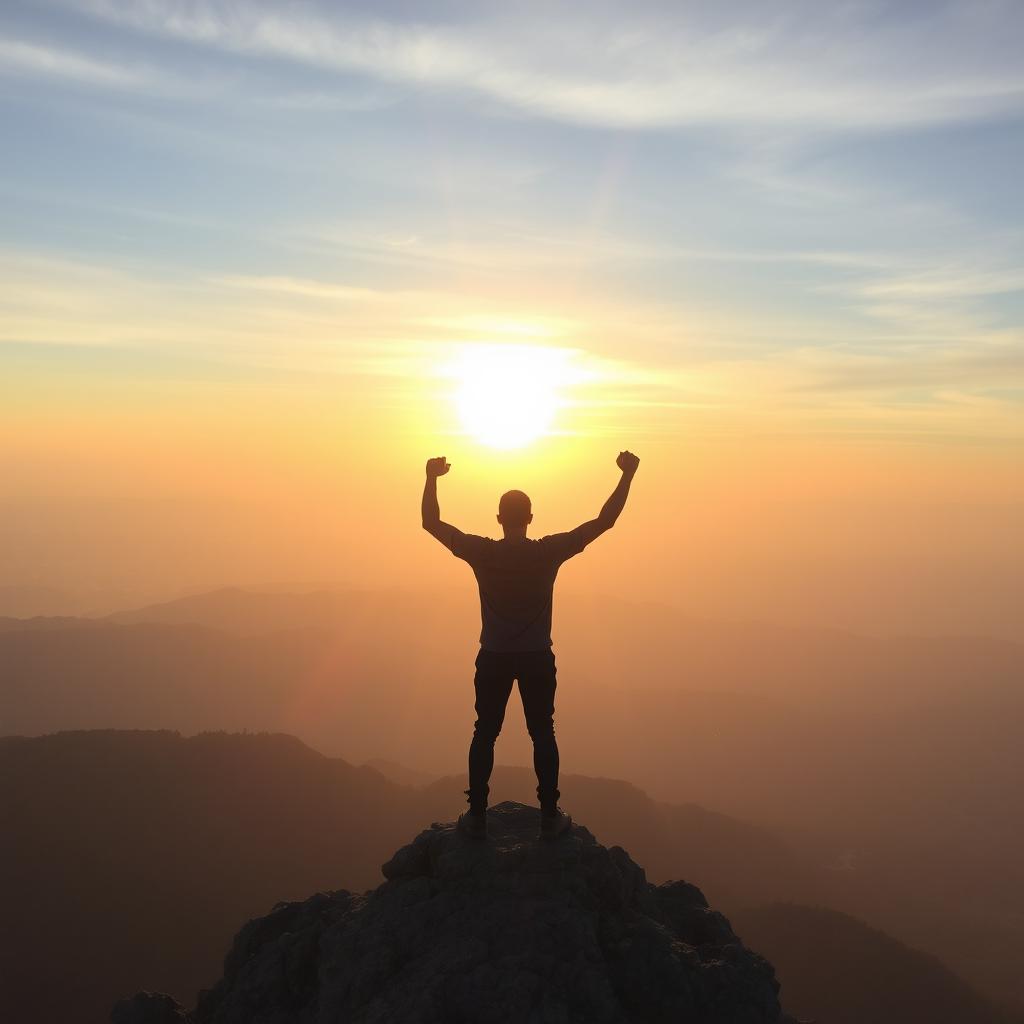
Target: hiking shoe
473	826
554	825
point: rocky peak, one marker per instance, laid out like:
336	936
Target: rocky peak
507	930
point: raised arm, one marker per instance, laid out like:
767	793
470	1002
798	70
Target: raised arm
616	502
431	510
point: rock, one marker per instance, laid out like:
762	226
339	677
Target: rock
150	1008
508	931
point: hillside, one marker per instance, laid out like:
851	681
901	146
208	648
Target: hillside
161	845
842	971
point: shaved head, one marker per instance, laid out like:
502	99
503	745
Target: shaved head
514	509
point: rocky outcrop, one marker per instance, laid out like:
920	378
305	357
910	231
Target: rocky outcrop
508	930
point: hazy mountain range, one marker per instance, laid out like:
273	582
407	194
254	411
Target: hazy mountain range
891	765
131	859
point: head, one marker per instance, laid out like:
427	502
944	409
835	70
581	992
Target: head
514	512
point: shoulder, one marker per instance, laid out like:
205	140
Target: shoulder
468	545
566	544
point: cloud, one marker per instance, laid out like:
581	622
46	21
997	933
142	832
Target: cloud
30	58
824	65
329	102
305	288
984	365
947	283
20	57
937	300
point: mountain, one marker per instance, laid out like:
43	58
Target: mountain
842	971
46	622
400	773
161	844
509	930
26	601
133	855
241	611
816	661
889	762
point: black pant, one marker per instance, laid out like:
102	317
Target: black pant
495	673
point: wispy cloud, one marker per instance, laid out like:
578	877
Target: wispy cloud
989	362
305	288
21	57
949	282
776	264
797	63
152	76
136	74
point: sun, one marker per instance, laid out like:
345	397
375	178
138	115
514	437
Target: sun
508	395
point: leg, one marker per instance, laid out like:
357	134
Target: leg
537	688
493	684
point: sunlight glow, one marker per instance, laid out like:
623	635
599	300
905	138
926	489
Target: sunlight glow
508	395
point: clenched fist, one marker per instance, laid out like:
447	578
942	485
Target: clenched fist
438	467
627	462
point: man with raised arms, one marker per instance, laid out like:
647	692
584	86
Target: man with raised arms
516	577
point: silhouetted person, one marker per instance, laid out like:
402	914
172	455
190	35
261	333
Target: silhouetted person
516	576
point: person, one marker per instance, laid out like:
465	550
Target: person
516	577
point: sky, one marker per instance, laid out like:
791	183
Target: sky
248	250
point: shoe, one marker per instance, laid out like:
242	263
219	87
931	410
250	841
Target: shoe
473	826
554	825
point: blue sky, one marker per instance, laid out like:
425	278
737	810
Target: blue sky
814	206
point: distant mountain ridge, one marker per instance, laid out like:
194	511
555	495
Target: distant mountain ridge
806	943
400	773
10	625
238	610
165	844
766	725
